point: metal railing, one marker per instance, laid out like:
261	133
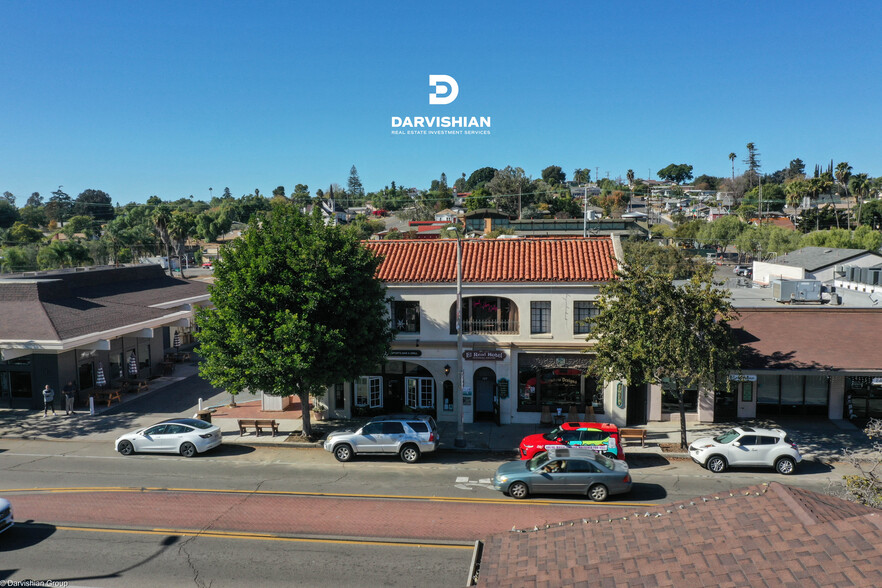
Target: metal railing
490	327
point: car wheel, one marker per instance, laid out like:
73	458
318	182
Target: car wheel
610	455
410	453
598	493
716	464
518	490
188	449
126	448
343	452
785	465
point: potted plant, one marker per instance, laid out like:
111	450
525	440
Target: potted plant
319	410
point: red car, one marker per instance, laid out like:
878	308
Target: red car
602	437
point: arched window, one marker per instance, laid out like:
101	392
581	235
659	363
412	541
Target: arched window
487	315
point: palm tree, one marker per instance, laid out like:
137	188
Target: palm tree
861	186
795	191
582	176
732	157
630	176
161	218
843	173
180	227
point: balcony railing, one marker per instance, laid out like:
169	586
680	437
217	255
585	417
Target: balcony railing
490	327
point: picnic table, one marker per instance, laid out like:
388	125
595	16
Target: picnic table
108	395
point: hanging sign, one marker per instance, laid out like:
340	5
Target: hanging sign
481	355
620	395
406	352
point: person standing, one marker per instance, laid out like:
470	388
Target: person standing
70	395
48	400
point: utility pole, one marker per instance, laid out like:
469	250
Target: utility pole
459	441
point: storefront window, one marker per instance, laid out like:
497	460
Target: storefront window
448	395
671	400
420	392
557	387
369	392
143	354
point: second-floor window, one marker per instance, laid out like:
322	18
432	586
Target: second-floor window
584	312
406	316
540	317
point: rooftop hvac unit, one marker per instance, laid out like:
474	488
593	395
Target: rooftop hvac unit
796	290
875	276
839	270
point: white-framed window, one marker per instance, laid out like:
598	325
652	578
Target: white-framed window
420	392
369	391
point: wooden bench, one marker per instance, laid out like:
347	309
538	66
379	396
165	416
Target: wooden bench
109	395
626	434
258	425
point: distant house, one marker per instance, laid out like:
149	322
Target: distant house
817	263
446	215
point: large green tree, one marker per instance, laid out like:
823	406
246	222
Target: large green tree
650	330
93	203
677	173
296	309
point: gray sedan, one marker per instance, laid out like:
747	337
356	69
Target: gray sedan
564	470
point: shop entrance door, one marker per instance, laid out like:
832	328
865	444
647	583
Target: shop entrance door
726	404
636	411
87	376
484	389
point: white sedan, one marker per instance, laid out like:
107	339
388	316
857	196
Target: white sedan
185	436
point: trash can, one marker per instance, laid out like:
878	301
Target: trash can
204	415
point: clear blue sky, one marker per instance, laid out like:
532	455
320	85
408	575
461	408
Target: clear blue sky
171	98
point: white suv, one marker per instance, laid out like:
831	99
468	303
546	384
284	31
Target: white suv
746	446
407	437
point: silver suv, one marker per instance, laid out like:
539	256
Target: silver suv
408	437
746	446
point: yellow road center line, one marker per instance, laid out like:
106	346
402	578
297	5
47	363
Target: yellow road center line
327	495
261	537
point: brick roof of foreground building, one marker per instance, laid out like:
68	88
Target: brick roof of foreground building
496	260
61	305
755	536
809	338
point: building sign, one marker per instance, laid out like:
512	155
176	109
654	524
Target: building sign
620	395
493	355
877	381
406	352
502	387
742	377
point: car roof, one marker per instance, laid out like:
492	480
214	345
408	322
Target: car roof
571	452
573	426
181	421
775	432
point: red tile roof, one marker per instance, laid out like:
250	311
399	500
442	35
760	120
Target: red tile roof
497	260
809	338
756	536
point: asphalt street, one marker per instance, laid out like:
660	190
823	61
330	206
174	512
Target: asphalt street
283	515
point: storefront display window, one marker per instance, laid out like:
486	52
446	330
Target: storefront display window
369	392
671	400
557	387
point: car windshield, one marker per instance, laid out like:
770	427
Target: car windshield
552	435
727	437
605	461
537	460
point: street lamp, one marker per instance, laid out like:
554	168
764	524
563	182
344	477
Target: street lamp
460	432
